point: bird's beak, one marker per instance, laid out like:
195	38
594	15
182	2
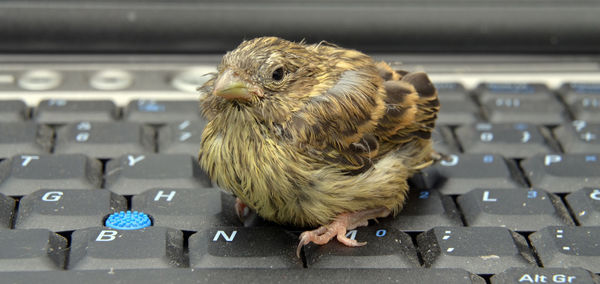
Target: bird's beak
229	86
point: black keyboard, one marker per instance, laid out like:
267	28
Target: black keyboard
515	199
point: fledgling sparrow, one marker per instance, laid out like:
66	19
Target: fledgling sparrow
315	134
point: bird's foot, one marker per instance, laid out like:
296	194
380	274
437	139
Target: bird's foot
339	226
435	157
241	209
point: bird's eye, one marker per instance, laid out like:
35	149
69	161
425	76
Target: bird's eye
278	74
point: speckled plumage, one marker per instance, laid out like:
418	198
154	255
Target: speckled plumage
337	133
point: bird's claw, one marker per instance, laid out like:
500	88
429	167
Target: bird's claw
241	209
304	240
437	156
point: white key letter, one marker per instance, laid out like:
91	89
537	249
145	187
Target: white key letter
225	236
107	236
82	136
161	193
526	278
134	160
486	197
184	125
52	196
486	136
85	125
28	159
549	159
526	136
184	136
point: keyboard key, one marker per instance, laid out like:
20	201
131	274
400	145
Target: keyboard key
563	173
424	210
161	112
67	210
104	248
104	140
481	250
134	174
583	99
264	275
520	102
492	91
24	137
585	204
185	209
573	91
12	111
25	174
515	209
386	248
579	137
451	90
31	250
238	247
181	137
517	140
568	247
459	174
544	275
516	109
587	109
7	207
59	111
457	111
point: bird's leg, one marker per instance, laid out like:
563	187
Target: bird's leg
240	209
339	226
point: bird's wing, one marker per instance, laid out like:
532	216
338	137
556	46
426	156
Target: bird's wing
411	107
343	109
334	125
408	114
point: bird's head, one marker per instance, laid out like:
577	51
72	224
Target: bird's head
267	76
258	69
298	90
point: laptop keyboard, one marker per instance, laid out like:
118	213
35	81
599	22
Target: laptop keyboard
516	198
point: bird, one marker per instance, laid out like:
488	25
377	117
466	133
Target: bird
315	135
